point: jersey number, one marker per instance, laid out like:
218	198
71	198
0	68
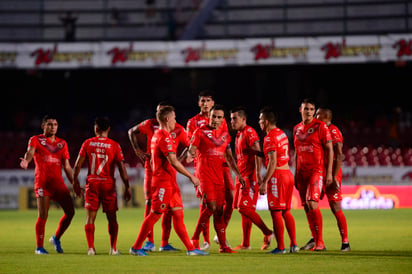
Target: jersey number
96	160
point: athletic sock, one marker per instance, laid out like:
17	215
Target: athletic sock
317	226
40	227
278	228
342	225
113	231
290	226
180	229
166	227
89	229
64	223
255	218
203	220
147	210
246	229
220	227
147	226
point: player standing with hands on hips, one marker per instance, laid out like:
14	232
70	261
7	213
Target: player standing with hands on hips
103	154
50	155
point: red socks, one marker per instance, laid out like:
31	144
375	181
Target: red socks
180	229
246	228
166	227
147	210
89	229
278	228
290	226
202	223
342	225
146	227
40	227
220	227
113	231
255	218
63	225
316	225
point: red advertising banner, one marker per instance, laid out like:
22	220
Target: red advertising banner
357	197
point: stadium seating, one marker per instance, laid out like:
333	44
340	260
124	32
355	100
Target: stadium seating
38	20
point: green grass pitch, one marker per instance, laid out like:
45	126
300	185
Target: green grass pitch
381	241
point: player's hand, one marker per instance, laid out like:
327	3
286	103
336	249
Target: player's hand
329	180
23	163
142	156
262	188
78	191
242	182
127	195
195	181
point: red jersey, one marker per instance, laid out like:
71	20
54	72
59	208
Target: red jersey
102	153
148	127
246	138
48	156
211	147
309	141
164	175
198	121
337	137
276	141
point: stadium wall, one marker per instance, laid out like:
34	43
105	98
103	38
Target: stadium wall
210	53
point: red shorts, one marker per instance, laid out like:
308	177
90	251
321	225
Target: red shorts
334	194
280	190
247	197
213	192
164	199
100	191
55	188
227	175
309	185
147	184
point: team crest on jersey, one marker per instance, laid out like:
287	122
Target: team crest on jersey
60	145
173	135
162	206
169	147
310	131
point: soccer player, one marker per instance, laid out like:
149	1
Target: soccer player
50	155
102	154
313	148
249	166
166	194
205	103
147	128
278	181
333	192
212	143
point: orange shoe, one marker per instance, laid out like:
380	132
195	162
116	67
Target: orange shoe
242	247
226	250
318	248
195	243
266	241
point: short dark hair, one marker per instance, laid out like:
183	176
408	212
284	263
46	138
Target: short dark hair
269	115
206	93
218	107
102	123
308	101
163	113
241	110
163	104
48	117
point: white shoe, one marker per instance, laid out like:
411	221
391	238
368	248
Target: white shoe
216	240
205	246
114	252
91	252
